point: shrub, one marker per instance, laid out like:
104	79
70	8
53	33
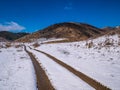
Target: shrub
8	45
36	44
17	46
66	52
108	42
90	44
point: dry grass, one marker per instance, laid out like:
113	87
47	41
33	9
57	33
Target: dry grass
17	46
36	44
108	42
8	45
89	44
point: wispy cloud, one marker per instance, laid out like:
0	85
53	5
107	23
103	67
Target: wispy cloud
11	26
68	6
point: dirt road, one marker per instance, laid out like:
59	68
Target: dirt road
43	83
95	84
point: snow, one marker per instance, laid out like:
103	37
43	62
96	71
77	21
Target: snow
54	39
99	62
61	78
97	58
16	70
118	27
41	40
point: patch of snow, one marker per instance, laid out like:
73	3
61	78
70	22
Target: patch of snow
41	40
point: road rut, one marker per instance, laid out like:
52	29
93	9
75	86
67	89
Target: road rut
43	83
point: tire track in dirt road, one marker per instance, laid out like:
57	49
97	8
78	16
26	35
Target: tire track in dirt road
95	84
43	83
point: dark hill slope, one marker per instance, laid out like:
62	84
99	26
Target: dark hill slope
11	36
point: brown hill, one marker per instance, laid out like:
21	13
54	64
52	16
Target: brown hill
112	30
71	31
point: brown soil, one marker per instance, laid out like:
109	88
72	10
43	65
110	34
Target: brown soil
43	83
95	84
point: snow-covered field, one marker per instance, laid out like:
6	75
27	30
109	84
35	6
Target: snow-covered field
61	78
100	61
16	70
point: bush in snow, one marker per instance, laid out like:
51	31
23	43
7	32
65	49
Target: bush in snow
89	44
8	45
36	44
17	46
1	46
64	52
109	42
119	42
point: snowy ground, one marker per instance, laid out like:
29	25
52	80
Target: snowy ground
101	61
16	70
98	58
61	78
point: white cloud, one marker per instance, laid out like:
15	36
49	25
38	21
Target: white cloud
11	26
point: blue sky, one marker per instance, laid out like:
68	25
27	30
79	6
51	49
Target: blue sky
32	15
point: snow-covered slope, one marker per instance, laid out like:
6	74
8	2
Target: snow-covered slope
98	58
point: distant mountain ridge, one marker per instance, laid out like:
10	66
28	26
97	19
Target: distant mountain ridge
10	36
69	30
112	30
